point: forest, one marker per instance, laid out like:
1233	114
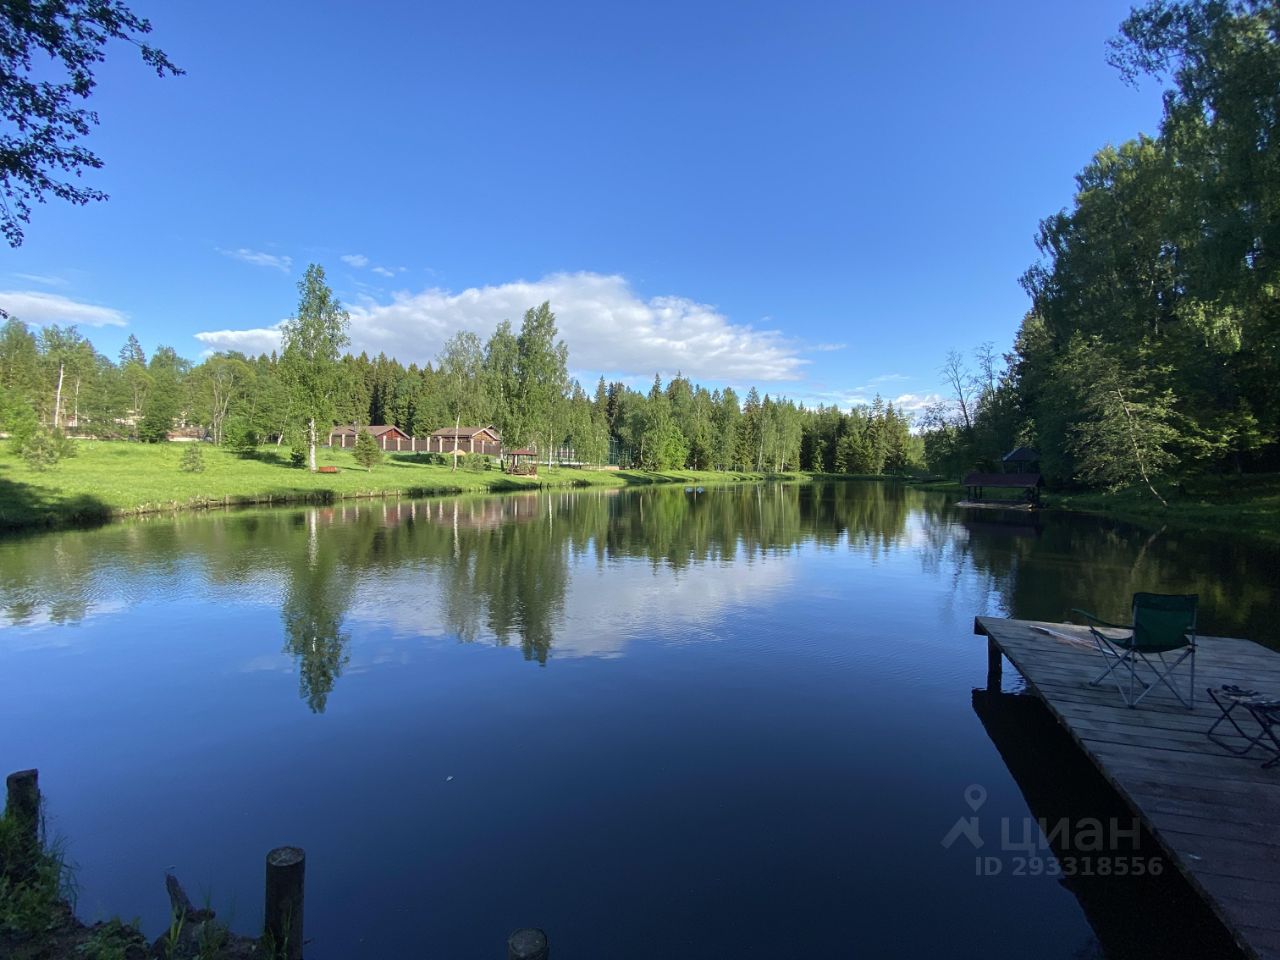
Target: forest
1150	352
56	384
1152	346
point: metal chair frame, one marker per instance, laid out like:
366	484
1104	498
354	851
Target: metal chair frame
1265	713
1127	652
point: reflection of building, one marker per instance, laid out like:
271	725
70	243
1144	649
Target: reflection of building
388	437
486	514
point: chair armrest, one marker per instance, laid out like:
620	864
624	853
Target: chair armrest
1098	620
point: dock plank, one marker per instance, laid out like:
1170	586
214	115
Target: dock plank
1216	815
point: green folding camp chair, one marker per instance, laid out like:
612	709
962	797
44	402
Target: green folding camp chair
1162	624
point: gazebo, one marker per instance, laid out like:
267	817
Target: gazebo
521	463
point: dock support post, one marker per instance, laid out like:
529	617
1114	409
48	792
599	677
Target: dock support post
282	923
528	943
22	803
995	666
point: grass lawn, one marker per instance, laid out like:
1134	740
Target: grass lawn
114	478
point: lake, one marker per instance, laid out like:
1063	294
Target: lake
732	722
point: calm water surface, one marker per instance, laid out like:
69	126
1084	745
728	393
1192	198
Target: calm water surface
733	722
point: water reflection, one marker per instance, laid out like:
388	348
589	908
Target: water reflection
721	709
526	570
317	595
1147	917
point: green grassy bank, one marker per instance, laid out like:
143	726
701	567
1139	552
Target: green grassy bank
113	479
1247	505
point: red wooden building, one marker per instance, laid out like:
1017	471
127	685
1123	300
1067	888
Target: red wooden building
388	437
484	440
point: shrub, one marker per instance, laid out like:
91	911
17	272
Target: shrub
241	438
368	454
297	458
155	426
192	459
41	447
475	461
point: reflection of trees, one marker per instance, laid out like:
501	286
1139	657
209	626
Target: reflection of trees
315	602
502	564
1040	569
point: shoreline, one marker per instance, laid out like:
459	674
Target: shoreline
1246	507
107	483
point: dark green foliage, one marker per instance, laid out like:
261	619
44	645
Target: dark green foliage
155	426
34	881
241	437
367	452
297	457
115	940
1158	286
31	440
475	461
192	459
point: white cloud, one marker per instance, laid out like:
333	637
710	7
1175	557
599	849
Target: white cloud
39	308
384	272
355	260
259	259
914	403
251	342
911	403
606	325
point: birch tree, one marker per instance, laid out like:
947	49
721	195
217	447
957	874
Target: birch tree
313	341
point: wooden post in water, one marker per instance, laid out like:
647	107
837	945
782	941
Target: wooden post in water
22	801
528	943
282	922
995	667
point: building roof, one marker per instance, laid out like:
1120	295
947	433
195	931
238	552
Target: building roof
1022	455
522	452
467	432
376	430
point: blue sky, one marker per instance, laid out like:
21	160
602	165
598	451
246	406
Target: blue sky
818	198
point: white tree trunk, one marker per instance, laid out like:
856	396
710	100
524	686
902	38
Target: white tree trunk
57	397
311	443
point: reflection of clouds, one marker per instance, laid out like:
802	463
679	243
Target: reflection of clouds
605	607
35	623
268	663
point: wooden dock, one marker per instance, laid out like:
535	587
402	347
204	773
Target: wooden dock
1217	816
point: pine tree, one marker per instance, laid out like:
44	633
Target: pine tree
192	459
367	453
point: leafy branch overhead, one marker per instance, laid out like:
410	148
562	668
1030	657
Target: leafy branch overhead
48	54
